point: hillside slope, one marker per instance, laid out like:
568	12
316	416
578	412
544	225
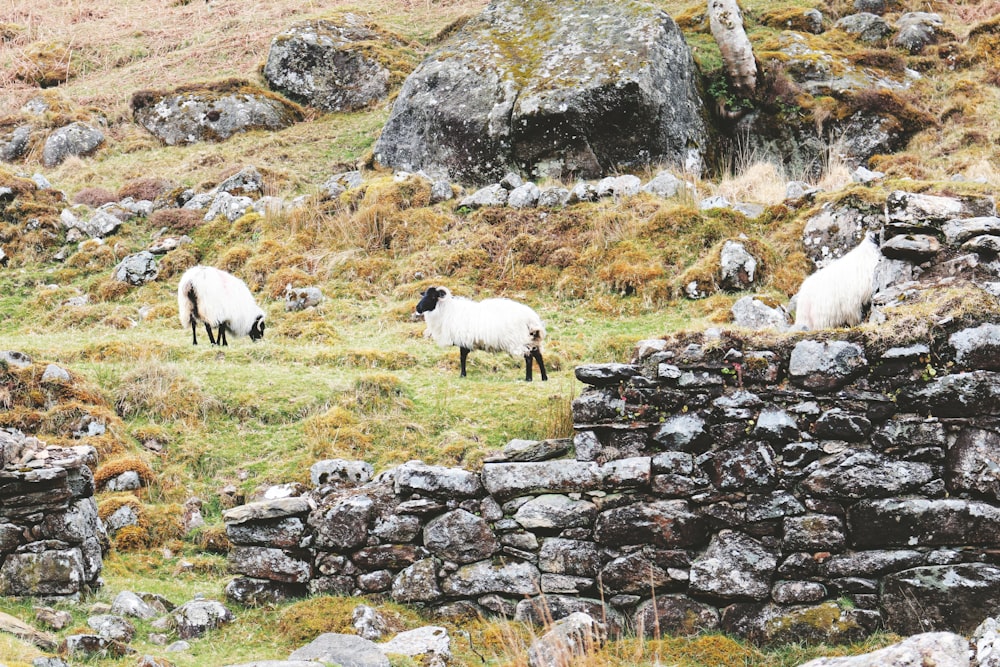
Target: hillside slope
354	377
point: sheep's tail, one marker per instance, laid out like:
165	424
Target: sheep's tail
187	301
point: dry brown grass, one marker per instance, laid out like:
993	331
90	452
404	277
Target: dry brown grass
162	392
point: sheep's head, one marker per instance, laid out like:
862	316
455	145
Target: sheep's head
257	328
429	299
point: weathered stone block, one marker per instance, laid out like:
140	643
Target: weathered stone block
514	578
574	557
825	365
943	597
865	474
274	564
281	533
439	481
914	522
813	532
47	572
508	480
664	523
555	511
674	615
460	536
734	566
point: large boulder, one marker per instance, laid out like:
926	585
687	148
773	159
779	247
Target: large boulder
552	91
77	139
333	65
211	112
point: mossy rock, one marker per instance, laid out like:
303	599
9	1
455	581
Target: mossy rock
211	112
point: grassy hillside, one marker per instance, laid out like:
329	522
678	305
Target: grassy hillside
354	378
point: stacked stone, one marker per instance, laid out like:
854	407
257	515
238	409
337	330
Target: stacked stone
270	548
818	490
51	539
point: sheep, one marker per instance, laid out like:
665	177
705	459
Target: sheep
221	300
838	294
494	325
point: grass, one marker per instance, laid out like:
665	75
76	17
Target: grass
355	378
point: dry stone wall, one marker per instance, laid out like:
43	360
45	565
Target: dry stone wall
51	539
817	490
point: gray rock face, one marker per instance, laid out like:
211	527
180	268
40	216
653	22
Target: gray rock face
77	139
922	599
825	365
866	475
340	472
675	615
14	144
98	225
439	481
912	522
137	269
343	524
272	564
576	635
324	65
665	523
915	30
973	462
195	618
737	267
417	583
554	511
113	627
866	26
735	566
752	313
944	649
491	195
958	395
187	117
556	109
460	536
129	604
343	650
507	480
978	347
431	645
524	196
514	578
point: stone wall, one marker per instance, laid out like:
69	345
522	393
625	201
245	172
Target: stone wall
51	539
815	489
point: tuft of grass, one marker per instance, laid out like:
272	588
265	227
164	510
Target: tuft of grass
162	392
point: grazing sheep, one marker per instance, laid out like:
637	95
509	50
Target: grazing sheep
838	294
494	325
221	300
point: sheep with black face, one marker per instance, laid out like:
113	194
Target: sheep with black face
220	300
494	325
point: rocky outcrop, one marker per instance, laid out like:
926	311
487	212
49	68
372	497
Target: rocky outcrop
51	539
211	112
335	65
550	91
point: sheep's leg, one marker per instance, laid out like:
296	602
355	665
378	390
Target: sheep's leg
211	338
194	332
463	355
527	366
537	354
222	335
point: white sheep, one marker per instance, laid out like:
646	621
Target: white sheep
837	294
494	325
218	299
